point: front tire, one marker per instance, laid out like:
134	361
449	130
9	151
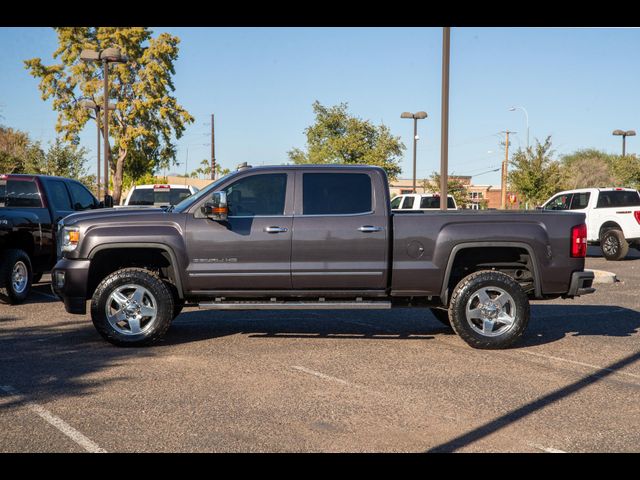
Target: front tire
16	276
489	310
132	307
613	244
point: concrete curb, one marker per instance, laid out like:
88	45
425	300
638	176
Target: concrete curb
602	276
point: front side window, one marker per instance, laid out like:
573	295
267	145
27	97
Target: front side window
257	195
22	193
395	203
82	198
434	202
336	193
561	202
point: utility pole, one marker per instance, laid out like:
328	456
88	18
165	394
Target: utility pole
505	166
213	150
444	134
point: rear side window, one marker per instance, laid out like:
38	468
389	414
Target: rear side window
619	198
82	198
21	193
580	200
408	203
336	193
59	196
141	196
434	202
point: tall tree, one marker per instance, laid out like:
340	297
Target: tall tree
147	115
338	137
534	174
587	168
16	150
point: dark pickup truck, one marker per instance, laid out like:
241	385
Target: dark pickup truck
316	237
30	208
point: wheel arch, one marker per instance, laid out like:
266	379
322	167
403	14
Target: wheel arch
445	291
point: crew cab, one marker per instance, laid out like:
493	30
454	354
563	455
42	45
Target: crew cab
30	208
612	217
316	237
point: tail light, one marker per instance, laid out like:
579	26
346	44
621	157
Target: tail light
636	214
579	241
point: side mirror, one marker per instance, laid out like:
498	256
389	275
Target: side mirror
108	201
216	208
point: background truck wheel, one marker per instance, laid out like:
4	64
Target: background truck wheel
441	315
613	244
132	307
489	310
15	276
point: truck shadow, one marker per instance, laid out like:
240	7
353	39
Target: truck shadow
549	323
595	252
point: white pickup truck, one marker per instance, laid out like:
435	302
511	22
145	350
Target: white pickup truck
613	217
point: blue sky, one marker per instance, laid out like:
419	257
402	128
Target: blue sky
577	85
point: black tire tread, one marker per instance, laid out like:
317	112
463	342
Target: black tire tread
465	333
11	256
155	281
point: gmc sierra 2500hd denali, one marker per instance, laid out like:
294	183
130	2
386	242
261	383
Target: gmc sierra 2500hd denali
316	237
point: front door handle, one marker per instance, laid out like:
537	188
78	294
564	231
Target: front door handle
275	229
370	229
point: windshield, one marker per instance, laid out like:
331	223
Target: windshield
187	202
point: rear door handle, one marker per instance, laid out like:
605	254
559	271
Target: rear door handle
370	229
275	229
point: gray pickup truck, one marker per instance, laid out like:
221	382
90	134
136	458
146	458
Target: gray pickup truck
316	237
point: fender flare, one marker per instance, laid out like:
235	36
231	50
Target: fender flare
160	246
444	294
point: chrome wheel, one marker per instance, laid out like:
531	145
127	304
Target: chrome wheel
491	311
19	277
610	245
131	309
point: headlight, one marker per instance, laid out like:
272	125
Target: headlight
70	239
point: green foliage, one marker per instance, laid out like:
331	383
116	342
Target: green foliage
533	174
455	188
338	137
16	150
204	170
147	116
587	168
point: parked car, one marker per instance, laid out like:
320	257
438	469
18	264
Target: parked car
421	201
158	195
316	237
30	208
612	217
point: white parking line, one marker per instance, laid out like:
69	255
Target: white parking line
322	375
547	449
57	422
595	367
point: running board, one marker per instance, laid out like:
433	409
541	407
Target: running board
248	305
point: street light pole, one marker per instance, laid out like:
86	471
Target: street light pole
624	134
513	109
505	169
416	116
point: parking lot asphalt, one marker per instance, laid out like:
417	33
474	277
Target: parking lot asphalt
330	381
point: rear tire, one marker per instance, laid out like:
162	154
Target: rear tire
613	245
16	276
489	310
441	315
132	307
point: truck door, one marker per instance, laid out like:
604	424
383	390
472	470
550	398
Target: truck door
340	237
252	250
